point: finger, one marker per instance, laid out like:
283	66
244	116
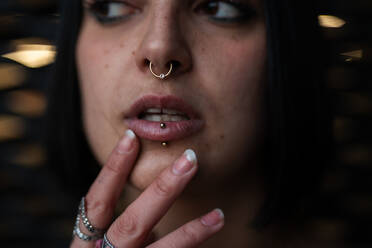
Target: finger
104	193
193	233
105	190
131	228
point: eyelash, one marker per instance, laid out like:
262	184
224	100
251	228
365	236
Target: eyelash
245	11
96	6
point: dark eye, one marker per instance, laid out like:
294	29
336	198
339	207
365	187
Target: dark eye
110	11
226	11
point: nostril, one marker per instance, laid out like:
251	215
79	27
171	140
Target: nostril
147	62
156	67
175	64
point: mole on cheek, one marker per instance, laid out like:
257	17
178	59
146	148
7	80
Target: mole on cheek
222	137
133	52
121	45
106	66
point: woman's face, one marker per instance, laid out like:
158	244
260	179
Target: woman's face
211	102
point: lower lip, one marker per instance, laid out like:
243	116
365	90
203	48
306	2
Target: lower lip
173	130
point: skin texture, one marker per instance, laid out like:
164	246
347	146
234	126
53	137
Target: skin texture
221	73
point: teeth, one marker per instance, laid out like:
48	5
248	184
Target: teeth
163	111
152	117
174	118
153	111
159	118
172	112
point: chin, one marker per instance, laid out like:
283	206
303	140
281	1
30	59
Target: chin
152	160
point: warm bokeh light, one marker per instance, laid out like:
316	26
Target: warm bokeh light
26	102
30	156
11	76
11	127
356	154
33	55
353	55
330	230
329	21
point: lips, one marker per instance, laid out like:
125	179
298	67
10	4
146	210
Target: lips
147	113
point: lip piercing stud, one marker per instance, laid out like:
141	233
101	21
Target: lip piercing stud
164	143
162	125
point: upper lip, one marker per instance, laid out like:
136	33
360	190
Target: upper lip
161	102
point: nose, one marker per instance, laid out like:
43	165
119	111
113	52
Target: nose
162	43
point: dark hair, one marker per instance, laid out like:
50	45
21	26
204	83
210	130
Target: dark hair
297	109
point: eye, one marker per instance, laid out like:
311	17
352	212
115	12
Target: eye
226	11
107	11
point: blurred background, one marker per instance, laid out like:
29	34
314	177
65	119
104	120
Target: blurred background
31	198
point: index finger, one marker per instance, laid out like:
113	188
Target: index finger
103	195
105	190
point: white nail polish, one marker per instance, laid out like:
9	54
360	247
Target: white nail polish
190	155
130	133
220	213
125	145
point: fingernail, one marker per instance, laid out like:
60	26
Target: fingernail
213	218
183	166
125	144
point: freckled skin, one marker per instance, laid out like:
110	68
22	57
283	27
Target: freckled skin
221	74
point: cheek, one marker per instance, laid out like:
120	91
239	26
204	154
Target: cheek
94	66
104	62
235	86
241	71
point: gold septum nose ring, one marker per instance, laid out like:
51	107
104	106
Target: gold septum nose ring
161	76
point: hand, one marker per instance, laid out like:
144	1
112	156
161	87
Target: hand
132	227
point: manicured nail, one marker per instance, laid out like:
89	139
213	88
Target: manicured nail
190	156
125	144
213	218
183	166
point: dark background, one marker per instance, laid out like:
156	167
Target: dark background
35	213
